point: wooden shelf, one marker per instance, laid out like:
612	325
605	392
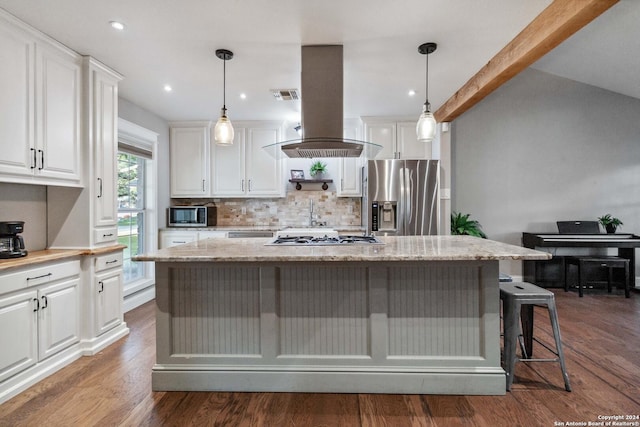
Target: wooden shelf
299	182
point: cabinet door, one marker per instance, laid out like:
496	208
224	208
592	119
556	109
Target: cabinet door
108	311
382	134
263	169
57	114
350	184
18	333
16	103
228	167
105	116
175	238
189	158
408	145
59	317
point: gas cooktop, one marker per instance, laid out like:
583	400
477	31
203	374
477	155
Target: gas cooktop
323	241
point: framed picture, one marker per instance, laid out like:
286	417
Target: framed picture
297	174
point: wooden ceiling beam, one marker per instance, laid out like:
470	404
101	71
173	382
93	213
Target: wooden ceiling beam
556	23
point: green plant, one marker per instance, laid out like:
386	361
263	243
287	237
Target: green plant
609	221
462	225
318	168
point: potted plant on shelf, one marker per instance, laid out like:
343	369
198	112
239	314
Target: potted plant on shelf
318	169
462	225
609	223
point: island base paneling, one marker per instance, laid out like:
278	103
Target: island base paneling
394	327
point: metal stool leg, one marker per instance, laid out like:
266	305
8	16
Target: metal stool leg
553	317
511	332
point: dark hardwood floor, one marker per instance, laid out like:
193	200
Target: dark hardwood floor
601	335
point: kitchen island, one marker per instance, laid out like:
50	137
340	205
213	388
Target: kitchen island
419	314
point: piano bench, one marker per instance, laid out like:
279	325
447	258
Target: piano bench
584	262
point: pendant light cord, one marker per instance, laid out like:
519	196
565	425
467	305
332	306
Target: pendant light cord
426	79
224	85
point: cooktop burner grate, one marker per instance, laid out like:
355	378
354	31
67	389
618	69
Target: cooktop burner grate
326	240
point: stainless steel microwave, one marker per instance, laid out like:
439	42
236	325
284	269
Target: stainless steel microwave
191	216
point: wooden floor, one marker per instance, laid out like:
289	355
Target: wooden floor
601	335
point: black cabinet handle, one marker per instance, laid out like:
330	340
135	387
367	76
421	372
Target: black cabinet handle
100	187
45	301
41	159
101	283
39	277
107	235
37	301
35	161
111	262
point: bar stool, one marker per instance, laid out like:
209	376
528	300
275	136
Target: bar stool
583	262
514	296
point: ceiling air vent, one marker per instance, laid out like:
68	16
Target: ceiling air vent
286	94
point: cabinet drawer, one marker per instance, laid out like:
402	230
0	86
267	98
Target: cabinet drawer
38	276
105	262
106	235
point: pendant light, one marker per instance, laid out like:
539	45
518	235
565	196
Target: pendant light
426	127
223	132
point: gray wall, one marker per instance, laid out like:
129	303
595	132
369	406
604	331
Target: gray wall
541	149
28	203
155	123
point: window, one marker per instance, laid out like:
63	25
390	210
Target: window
137	209
131	212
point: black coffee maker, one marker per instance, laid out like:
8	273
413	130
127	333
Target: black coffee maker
11	245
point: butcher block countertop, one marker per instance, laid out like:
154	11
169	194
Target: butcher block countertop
400	248
47	255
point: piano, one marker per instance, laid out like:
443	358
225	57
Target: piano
551	273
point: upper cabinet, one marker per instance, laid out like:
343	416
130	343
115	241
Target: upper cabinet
398	139
102	115
251	167
350	184
189	159
40	82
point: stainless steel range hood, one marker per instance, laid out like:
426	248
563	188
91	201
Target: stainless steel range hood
322	108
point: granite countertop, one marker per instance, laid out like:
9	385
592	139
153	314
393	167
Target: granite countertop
404	248
349	228
47	255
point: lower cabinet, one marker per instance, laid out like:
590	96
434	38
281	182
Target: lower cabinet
108	307
169	238
39	315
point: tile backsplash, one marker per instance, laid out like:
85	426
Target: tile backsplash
293	210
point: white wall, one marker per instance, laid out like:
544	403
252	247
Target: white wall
543	148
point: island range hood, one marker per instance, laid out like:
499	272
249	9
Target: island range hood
322	107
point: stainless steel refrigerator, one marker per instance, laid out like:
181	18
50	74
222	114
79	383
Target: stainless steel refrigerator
401	197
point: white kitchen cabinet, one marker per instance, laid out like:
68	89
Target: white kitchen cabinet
350	184
102	92
189	159
40	82
18	332
169	238
58	317
39	315
16	103
108	290
398	139
105	294
247	169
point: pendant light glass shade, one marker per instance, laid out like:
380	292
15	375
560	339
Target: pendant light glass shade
223	132
426	126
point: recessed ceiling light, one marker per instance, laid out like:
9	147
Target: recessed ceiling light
117	25
412	92
167	88
243	96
